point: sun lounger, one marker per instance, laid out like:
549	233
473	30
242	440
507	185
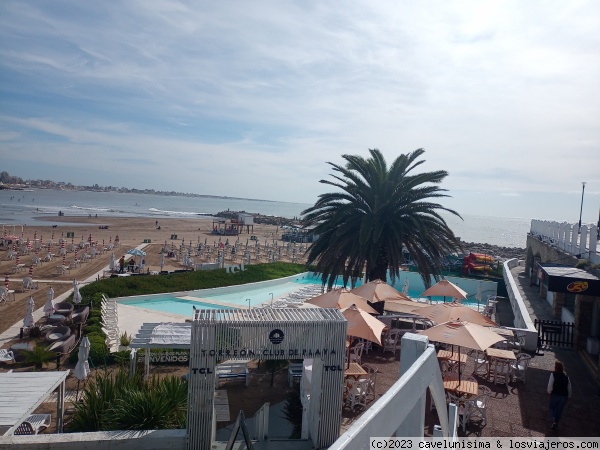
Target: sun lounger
6	355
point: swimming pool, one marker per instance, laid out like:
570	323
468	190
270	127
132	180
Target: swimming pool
170	304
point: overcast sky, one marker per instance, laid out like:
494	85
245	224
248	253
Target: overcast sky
251	99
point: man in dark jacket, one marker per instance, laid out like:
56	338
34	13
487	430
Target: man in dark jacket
559	388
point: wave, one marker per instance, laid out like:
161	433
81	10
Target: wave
92	209
176	213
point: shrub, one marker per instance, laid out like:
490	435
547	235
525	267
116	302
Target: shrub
38	357
99	354
125	340
292	412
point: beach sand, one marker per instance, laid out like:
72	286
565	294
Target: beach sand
131	233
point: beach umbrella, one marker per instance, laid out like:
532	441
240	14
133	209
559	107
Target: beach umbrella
404	306
76	294
64	262
31	270
361	324
378	291
445	288
341	298
6	281
135	252
17	260
405	287
162	261
111	262
82	368
49	306
453	311
29	321
463	334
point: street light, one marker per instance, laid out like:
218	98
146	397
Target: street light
581	209
248	300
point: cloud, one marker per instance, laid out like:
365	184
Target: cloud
225	99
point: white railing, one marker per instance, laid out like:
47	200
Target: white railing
261	423
567	237
400	411
522	321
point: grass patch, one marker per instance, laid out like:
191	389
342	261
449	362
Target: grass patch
189	281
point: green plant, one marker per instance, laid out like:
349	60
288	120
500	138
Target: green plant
121	402
99	353
38	357
375	213
274	365
292	412
125	340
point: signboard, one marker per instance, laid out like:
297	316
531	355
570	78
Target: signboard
70	234
574	285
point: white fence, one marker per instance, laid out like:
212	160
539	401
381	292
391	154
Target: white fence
567	237
522	321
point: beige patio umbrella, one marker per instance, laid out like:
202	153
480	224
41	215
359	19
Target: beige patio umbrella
341	298
361	324
404	306
453	311
462	334
445	288
378	291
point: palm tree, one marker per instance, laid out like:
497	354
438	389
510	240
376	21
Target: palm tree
376	212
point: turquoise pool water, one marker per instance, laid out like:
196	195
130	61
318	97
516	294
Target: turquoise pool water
170	304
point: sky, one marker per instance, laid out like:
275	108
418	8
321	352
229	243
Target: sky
254	99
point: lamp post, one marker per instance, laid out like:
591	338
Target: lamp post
581	209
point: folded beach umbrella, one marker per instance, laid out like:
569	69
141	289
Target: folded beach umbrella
405	288
82	368
49	306
341	298
6	281
162	261
112	262
76	294
445	288
378	291
28	321
361	324
446	312
31	270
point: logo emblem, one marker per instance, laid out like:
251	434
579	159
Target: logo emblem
276	336
577	286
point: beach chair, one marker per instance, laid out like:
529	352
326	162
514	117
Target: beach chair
6	355
29	284
34	424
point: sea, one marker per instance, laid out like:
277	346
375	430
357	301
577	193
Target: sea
37	207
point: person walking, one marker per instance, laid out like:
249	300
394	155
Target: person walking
122	264
559	389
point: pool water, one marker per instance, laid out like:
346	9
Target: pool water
170	304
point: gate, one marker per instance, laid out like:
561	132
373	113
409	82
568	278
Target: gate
554	333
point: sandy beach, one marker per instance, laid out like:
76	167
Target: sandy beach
131	232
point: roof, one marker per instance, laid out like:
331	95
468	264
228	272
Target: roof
566	271
22	392
179	335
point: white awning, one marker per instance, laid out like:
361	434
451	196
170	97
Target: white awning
163	335
22	392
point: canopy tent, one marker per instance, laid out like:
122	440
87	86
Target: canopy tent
22	392
136	252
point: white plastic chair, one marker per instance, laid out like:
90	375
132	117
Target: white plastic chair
33	424
6	355
356	353
390	341
519	368
477	407
502	371
371	378
357	392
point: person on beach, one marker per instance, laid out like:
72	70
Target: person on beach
122	264
131	265
559	389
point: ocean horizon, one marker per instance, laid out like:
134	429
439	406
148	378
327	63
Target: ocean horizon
27	207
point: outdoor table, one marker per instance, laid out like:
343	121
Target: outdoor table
496	353
452	356
466	387
354	370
